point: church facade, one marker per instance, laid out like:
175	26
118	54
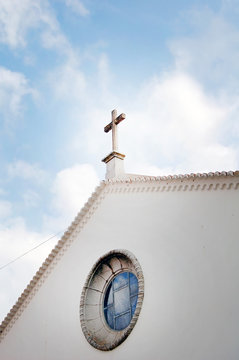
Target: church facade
147	270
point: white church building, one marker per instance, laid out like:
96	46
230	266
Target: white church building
148	270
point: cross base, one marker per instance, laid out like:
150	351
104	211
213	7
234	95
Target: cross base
112	155
115	164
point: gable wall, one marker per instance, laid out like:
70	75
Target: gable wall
186	242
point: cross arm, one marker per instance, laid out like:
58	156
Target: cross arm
119	118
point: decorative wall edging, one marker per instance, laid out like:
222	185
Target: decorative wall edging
136	188
144	178
201	182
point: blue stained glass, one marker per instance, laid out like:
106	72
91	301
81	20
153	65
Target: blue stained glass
121	280
109	316
120	300
121	322
133	301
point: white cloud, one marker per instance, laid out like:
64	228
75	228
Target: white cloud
72	188
17	18
68	81
77	6
53	38
12	14
178	126
13	88
17	239
27	171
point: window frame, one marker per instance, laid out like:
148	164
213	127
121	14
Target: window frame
94	326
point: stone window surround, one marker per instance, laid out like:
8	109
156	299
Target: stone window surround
93	323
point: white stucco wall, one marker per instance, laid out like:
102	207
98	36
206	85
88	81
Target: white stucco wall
187	245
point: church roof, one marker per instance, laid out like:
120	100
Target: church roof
158	182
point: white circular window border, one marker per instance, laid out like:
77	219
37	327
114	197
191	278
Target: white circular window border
93	323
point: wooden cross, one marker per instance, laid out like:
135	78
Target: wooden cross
113	126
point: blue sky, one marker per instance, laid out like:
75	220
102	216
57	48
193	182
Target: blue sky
171	66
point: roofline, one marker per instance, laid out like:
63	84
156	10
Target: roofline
82	216
134	177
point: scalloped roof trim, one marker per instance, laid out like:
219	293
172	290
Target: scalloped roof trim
80	217
142	178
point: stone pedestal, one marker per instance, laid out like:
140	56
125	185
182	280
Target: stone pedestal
114	165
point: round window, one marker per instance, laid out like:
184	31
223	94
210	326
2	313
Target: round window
111	299
120	300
